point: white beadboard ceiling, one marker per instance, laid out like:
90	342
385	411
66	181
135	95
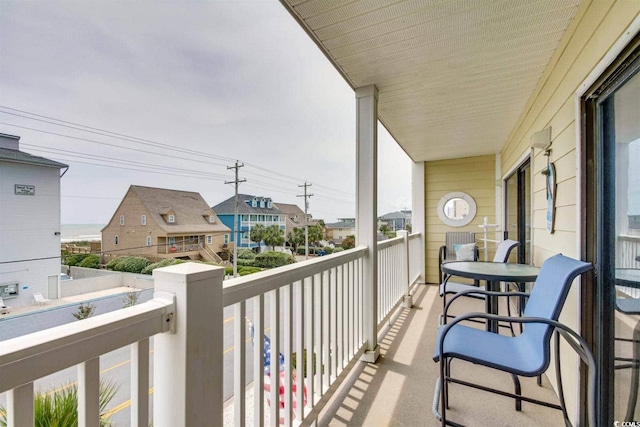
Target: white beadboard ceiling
453	75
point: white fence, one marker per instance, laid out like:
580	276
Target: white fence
312	309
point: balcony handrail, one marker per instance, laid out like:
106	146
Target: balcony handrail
29	357
389	242
244	288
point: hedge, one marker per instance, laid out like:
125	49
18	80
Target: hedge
91	261
246	254
164	263
75	259
128	264
273	259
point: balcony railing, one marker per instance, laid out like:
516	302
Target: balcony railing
313	309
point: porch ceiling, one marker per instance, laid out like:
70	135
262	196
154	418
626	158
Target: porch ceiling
453	75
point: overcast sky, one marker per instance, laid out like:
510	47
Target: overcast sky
188	87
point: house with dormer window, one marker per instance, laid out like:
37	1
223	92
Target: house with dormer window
158	223
252	210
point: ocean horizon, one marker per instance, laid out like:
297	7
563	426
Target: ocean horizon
72	232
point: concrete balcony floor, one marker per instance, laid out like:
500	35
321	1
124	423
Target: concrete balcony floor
398	390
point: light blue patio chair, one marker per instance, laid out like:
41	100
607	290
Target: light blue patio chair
448	287
526	355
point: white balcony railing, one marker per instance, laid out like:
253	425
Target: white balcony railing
312	309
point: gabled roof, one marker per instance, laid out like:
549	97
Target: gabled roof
343	223
16	156
227	207
190	209
396	215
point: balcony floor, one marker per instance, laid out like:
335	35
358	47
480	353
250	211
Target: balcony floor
398	390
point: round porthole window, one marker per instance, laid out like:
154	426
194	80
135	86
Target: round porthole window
457	209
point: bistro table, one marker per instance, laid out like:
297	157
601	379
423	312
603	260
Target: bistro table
493	273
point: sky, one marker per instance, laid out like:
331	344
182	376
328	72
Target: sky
171	94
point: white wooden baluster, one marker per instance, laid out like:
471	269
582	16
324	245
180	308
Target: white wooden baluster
310	319
274	321
140	383
299	294
239	363
20	406
88	393
258	360
288	350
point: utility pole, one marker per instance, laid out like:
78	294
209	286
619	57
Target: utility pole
306	218
235	217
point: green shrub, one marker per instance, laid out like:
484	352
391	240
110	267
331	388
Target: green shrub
228	271
91	261
128	264
164	263
246	262
59	407
327	250
248	270
84	311
74	259
338	249
246	254
273	259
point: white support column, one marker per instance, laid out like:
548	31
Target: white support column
418	210
187	369
20	406
367	210
407	300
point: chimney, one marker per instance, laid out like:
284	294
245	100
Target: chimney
9	142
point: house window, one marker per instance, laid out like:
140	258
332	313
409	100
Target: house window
143	220
210	239
117	240
254	217
212	218
148	240
172	241
121	219
254	203
226	239
191	238
172	218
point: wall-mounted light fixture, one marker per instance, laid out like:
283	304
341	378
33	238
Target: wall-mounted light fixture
57	233
541	139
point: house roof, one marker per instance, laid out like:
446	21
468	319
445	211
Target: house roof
227	207
453	77
396	215
190	209
16	156
347	223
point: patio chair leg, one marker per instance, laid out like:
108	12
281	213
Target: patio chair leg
559	380
518	391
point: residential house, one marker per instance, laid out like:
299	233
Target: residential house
29	224
158	223
294	217
336	232
399	220
252	210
